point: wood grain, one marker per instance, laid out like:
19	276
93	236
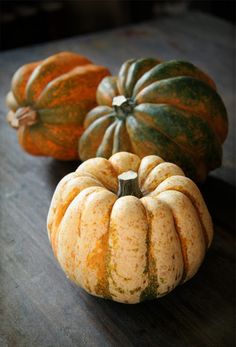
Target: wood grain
38	305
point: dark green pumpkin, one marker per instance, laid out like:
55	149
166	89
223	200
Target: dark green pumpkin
170	109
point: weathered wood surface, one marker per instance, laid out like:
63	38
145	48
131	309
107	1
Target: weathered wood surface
38	305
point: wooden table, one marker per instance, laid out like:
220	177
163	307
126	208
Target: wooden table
38	305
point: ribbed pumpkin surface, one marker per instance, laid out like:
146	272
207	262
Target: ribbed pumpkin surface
60	90
128	249
172	110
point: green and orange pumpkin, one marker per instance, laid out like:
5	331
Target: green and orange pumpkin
171	109
49	100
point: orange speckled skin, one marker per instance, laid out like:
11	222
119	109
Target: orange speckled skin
61	89
124	248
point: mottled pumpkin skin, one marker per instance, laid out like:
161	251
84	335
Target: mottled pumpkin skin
128	249
175	112
61	89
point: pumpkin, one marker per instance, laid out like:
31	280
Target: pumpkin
170	109
129	229
49	100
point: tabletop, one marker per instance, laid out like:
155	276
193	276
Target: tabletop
38	305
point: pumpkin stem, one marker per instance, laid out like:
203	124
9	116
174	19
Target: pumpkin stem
24	116
128	184
123	106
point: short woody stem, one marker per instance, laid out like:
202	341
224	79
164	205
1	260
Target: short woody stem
123	106
24	116
128	184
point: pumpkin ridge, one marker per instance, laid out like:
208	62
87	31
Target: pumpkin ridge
107	90
136	70
11	101
89	191
89	175
126	241
57	221
121	141
185	121
191	198
115	144
131	145
53	224
150	291
181	242
169	170
203	117
97	113
206	239
148	173
192	153
123	162
109	270
183	249
92	136
185	160
49	69
165	247
71	275
101	287
176	89
122	76
191	234
73	86
147	166
103	171
103	117
107	258
95	259
184	184
105	147
171	69
56	234
20	80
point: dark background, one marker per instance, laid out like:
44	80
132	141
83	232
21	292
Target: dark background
28	22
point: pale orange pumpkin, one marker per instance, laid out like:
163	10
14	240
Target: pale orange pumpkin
129	229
